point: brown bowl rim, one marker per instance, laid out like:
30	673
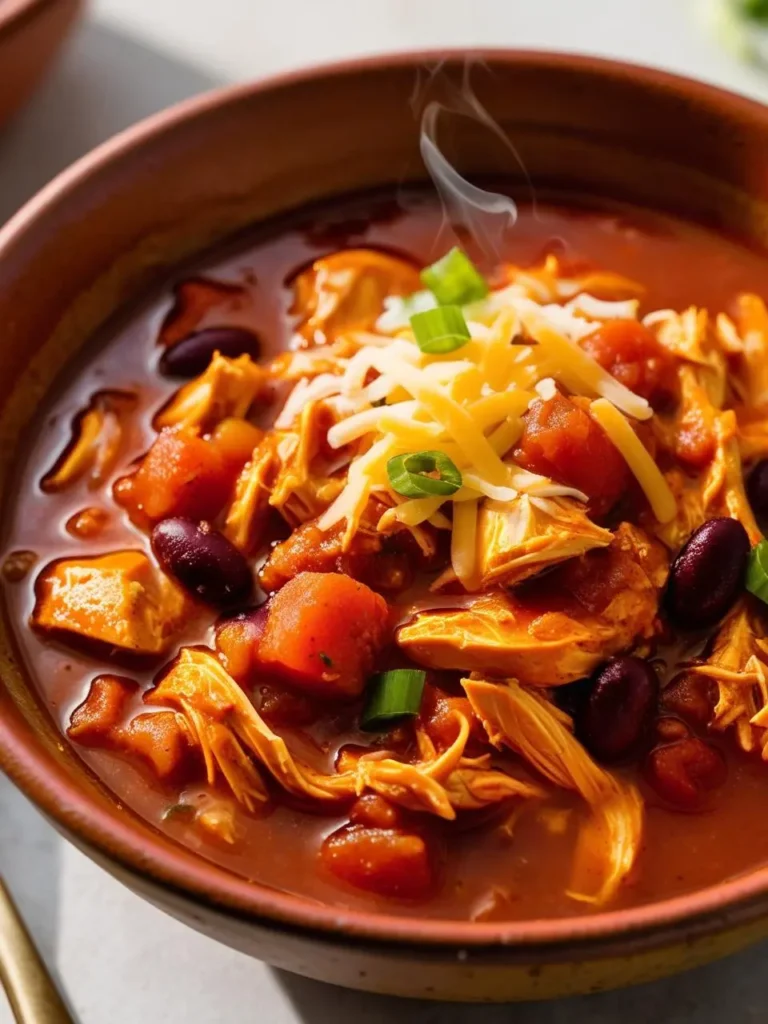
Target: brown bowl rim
727	903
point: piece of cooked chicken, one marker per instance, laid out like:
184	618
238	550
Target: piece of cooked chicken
723	484
750	376
530	725
118	599
97	438
519	538
555	630
738	665
285	473
236	743
346	291
717	491
228	387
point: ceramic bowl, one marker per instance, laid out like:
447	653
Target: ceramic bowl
96	238
31	33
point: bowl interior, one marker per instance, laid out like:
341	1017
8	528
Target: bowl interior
119	221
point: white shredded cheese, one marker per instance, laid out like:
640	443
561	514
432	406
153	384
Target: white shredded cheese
638	458
603	309
468	404
546	389
323	386
399	309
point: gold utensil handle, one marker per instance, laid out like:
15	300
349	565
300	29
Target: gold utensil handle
31	992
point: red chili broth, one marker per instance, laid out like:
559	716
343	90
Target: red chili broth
678	264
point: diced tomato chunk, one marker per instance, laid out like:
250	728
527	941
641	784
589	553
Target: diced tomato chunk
691	696
310	549
181	475
158	738
383	861
695	438
374	811
93	722
562	441
439	713
323	633
287	708
631	354
596	579
371	558
686	773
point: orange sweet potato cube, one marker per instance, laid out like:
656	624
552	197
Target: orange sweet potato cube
323	633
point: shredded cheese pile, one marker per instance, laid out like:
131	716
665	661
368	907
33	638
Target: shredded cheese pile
391	399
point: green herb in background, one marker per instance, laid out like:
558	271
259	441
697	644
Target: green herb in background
741	27
754	9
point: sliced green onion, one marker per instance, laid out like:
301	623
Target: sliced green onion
757	571
455	279
392	695
423	475
440	330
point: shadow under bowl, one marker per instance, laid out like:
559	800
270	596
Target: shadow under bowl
118	221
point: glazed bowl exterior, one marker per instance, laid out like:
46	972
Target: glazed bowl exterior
31	34
121	219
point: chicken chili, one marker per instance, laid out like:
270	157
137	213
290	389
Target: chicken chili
387	576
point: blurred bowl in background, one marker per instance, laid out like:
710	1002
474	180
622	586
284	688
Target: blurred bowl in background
31	34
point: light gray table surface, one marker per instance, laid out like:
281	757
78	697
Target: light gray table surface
121	960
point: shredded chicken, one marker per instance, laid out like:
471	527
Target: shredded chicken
690	510
690	337
723	490
737	663
283	474
234	740
518	539
752	434
346	291
97	440
228	387
526	722
751	376
511	635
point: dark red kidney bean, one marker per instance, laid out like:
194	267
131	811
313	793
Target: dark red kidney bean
708	574
202	561
692	697
757	489
572	697
191	355
616	716
686	772
669	729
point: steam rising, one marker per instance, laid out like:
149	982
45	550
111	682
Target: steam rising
486	215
